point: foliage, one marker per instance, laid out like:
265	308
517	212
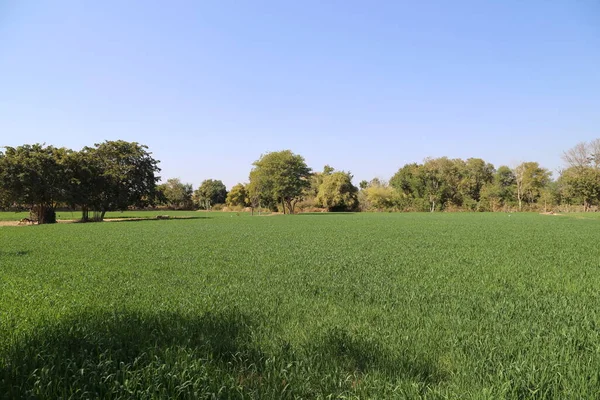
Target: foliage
530	180
175	194
34	175
581	184
337	193
128	175
210	192
280	177
238	196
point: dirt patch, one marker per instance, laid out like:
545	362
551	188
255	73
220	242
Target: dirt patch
18	223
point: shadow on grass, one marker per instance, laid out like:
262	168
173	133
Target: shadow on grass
355	353
327	213
138	219
133	355
18	253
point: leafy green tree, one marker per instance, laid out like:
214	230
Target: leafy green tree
581	180
176	195
85	181
477	173
210	192
34	175
337	193
316	179
409	180
581	184
530	180
379	196
282	177
128	176
237	196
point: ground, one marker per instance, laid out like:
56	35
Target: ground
349	305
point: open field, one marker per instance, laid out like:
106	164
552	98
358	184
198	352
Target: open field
349	305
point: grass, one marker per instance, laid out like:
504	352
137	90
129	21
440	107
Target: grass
465	306
75	215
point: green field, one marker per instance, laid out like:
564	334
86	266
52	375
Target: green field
75	215
460	306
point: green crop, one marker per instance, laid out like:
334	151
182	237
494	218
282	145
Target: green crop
303	306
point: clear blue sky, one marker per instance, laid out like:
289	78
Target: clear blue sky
363	86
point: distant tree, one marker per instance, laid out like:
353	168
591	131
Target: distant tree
363	184
584	155
500	192
409	180
581	180
477	173
581	184
530	179
176	195
315	180
237	196
210	192
282	177
34	175
379	195
337	193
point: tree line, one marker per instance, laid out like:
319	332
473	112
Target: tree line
117	175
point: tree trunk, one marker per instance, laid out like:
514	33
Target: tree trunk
85	214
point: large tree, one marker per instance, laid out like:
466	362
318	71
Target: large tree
128	176
282	176
34	176
210	192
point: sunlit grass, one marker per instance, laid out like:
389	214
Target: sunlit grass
356	305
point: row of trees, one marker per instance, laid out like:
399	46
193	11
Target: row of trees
113	175
116	175
281	180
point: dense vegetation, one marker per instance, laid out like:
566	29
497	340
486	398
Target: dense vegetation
342	305
120	175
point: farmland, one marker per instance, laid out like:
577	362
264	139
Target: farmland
370	305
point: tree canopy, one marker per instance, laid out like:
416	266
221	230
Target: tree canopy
280	177
210	192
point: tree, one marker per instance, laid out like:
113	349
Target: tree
86	182
281	176
34	175
379	195
530	179
175	194
581	184
128	176
584	155
408	180
581	180
477	173
210	192
337	193
237	196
